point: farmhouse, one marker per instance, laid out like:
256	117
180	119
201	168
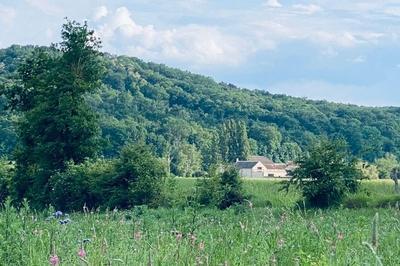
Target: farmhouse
260	166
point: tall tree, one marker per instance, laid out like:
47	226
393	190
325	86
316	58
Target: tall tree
57	125
234	142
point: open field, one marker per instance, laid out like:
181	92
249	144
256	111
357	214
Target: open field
273	232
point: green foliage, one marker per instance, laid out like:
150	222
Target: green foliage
221	189
327	174
6	176
187	161
234	142
56	125
138	179
230	188
135	178
167	108
368	171
190	236
386	165
80	185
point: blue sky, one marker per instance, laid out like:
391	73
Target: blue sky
342	51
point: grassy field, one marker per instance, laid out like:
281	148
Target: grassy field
274	232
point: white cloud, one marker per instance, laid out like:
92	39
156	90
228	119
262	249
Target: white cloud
393	11
307	9
336	92
192	44
359	59
7	14
289	30
45	6
100	12
273	3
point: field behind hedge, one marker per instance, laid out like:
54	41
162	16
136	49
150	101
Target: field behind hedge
275	231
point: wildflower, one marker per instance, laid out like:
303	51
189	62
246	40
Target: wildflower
199	261
242	225
250	204
58	214
85	208
54	260
179	236
273	260
340	236
81	253
281	242
137	235
192	238
65	221
313	228
201	245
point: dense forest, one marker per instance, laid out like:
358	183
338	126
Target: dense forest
188	119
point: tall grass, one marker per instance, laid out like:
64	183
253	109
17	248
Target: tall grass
263	235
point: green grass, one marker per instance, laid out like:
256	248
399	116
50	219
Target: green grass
267	193
274	235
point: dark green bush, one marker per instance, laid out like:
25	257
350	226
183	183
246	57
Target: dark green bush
221	189
138	179
327	174
230	188
206	191
80	184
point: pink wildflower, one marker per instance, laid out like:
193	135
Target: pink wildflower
81	253
54	260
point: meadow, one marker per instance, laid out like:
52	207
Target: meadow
271	229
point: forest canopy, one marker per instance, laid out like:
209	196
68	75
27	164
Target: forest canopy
183	117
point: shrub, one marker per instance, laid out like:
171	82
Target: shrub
80	184
138	179
230	188
220	189
326	175
206	190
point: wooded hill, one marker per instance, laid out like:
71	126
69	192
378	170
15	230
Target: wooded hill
180	115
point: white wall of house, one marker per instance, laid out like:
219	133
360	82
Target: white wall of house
258	170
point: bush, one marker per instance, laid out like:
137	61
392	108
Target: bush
80	184
135	178
206	191
326	175
222	190
138	179
230	189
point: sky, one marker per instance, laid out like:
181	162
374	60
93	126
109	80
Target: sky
342	51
